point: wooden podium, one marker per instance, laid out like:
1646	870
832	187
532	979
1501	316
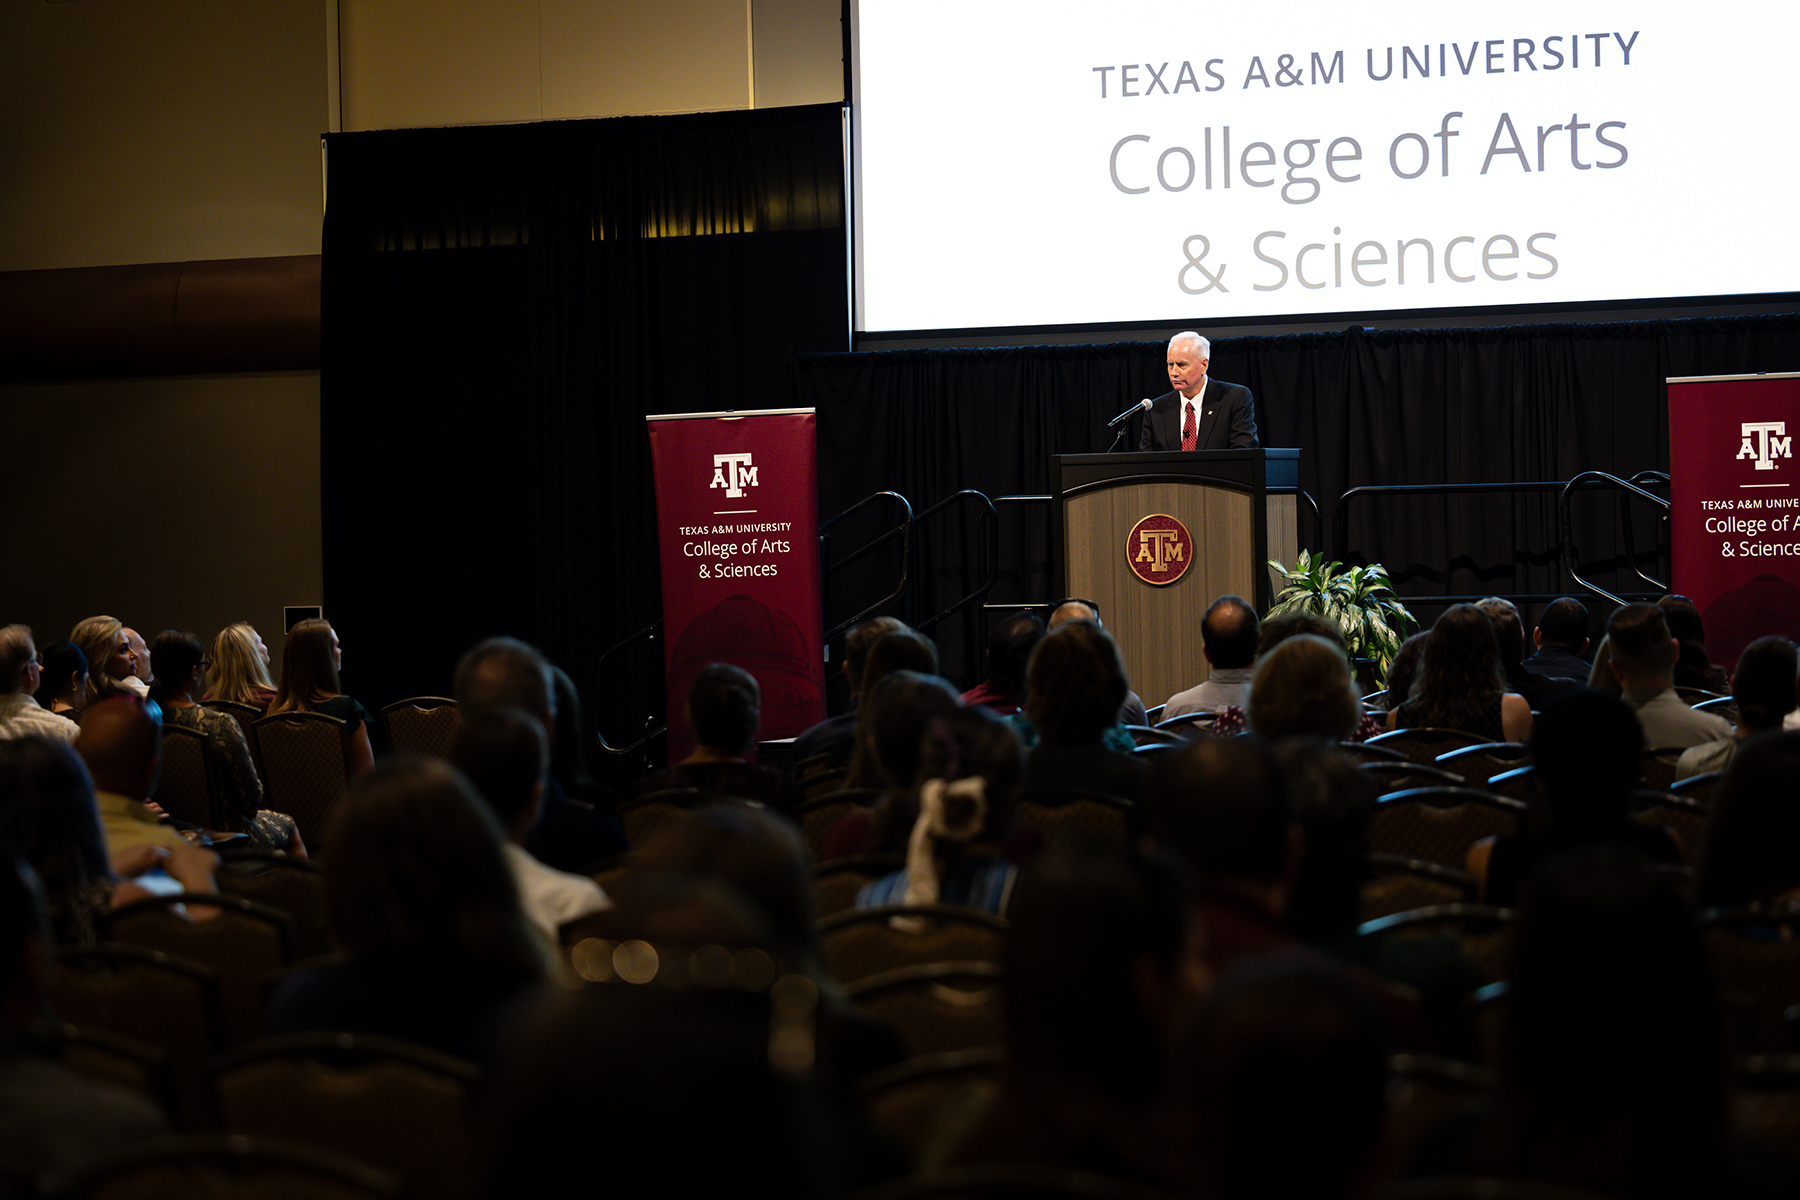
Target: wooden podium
1238	507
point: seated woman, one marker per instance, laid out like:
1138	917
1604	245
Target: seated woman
969	770
51	816
1755	826
63	689
724	706
1074	685
236	789
421	900
240	668
309	683
1304	688
1461	684
109	655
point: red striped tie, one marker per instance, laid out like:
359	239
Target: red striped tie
1189	431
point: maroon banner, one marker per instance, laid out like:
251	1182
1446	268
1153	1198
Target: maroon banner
737	516
1734	505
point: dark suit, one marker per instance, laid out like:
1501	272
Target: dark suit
1227	420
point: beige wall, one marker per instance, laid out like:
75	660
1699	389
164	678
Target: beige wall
146	131
188	502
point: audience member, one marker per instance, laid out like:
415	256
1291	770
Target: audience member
421	900
1561	638
143	672
1694	668
63	686
1610	1058
1509	635
835	737
1304	688
309	683
1228	635
724	707
969	770
1095	979
1588	753
1131	709
501	752
54	1122
121	743
1763	688
1282	1083
1643	660
19	679
233	785
1274	631
240	668
109	655
571	767
1461	684
1403	671
1601	676
1074	686
901	650
1008	651
891	729
1755	825
503	672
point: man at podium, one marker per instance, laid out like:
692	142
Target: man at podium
1200	413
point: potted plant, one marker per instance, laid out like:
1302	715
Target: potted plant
1360	601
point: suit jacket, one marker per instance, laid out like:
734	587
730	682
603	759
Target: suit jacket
1227	420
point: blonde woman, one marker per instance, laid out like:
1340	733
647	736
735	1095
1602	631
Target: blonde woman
240	668
109	655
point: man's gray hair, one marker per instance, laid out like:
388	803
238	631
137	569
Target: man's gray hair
1188	335
16	653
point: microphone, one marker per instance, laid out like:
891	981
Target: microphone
1129	413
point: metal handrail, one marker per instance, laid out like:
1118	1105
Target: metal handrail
1627	488
990	548
1341	514
652	729
903	531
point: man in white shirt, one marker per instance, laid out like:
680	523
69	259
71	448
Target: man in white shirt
1643	659
1228	636
20	714
503	753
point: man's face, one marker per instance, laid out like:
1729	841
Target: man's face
143	670
1186	367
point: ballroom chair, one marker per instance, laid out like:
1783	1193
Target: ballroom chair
1686	816
651	813
1070	812
1440	824
217	1166
937	1008
837	881
1481	930
1397	776
1423	743
183	787
245	715
1401	884
867	941
1478	764
820	814
420	725
1755	953
292	886
305	763
911	1101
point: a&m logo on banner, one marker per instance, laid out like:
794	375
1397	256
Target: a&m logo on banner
1159	549
734	473
1765	441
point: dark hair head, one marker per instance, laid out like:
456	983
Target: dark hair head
50	816
1638	636
503	672
1565	623
1009	650
1460	676
1286	1053
1693	666
417	879
1332	802
901	650
1606	962
973	743
1763	684
724	705
1749	851
1279	628
1304	687
62	662
309	673
1230	631
1588	749
1222	805
1509	629
175	654
888	732
1403	672
501	752
1075	684
859	641
1086	918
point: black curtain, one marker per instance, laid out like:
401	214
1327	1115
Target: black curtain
502	307
1366	407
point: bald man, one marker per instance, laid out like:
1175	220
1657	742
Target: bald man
122	747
